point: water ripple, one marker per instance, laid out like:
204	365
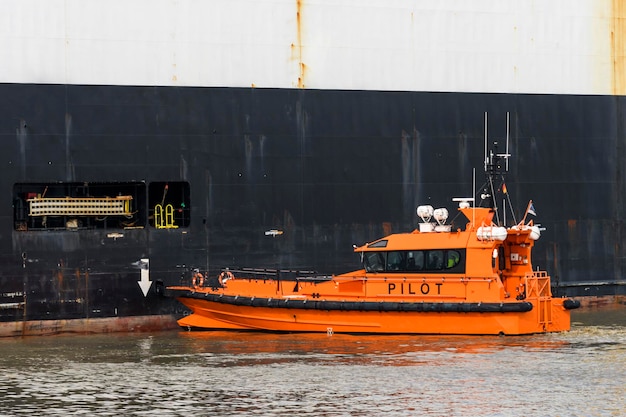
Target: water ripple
580	373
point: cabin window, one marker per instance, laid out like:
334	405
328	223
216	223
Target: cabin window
374	261
379	244
79	205
434	260
169	204
426	261
396	261
453	258
415	261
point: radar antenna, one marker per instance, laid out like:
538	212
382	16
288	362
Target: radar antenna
495	171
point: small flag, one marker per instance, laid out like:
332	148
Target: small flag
504	188
531	209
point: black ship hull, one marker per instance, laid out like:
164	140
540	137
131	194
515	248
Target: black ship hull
327	168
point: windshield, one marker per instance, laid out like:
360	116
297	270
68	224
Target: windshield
374	261
431	260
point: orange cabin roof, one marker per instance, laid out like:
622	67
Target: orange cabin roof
416	240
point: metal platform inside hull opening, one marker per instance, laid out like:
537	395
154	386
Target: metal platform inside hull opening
92	206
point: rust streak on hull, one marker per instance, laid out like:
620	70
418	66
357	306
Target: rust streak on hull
88	326
618	46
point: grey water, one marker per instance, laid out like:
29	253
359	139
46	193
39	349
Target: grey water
175	373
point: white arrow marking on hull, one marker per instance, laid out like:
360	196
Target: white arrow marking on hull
145	282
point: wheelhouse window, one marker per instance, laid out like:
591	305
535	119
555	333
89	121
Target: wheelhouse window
374	261
396	261
415	260
420	261
434	260
79	205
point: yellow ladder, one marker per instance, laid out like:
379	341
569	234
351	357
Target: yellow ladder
164	218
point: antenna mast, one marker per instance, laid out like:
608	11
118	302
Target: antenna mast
507	141
485	165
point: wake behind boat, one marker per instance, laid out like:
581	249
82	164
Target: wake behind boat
475	279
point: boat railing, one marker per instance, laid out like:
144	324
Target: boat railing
279	274
538	284
538	287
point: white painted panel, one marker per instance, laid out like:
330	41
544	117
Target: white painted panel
522	46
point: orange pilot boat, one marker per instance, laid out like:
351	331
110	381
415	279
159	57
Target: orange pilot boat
433	280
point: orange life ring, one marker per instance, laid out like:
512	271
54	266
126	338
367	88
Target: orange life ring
197	280
225	276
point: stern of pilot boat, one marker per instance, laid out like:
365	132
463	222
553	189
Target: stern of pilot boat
551	314
559	318
548	313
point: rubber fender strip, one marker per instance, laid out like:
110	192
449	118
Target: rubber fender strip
570	304
382	306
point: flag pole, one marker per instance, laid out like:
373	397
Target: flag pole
530	203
